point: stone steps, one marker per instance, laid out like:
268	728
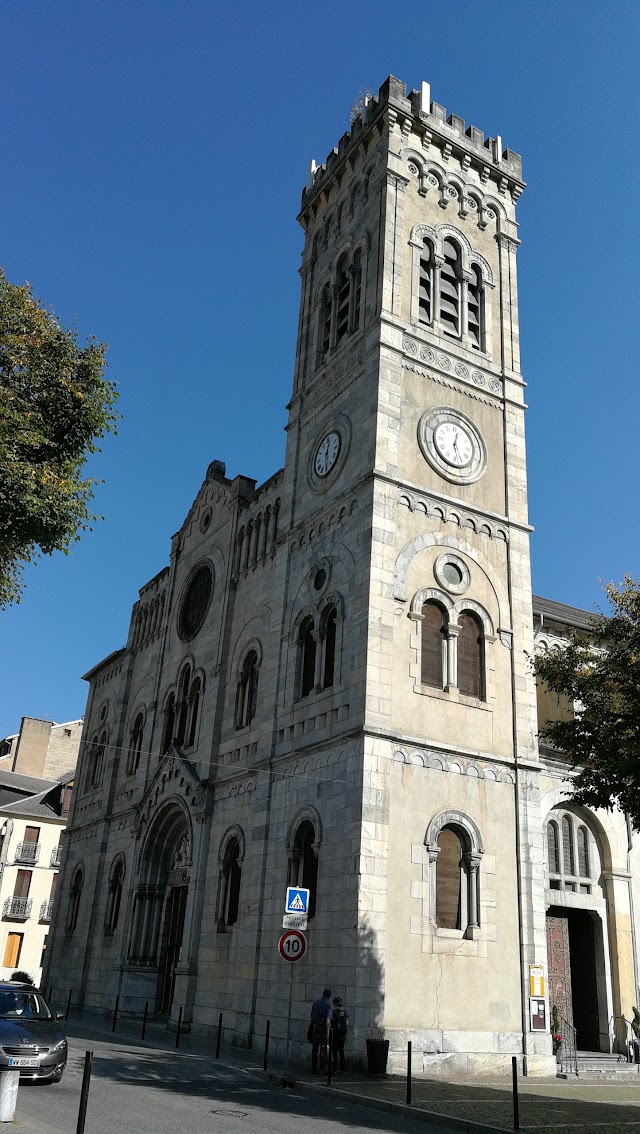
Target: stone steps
601	1064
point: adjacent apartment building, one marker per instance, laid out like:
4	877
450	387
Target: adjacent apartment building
37	770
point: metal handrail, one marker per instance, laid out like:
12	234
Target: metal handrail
55	856
27	852
17	907
620	1037
45	910
568	1050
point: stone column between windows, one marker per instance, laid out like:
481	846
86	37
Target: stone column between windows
451	654
472	862
318	638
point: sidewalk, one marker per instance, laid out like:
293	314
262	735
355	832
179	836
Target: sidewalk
548	1106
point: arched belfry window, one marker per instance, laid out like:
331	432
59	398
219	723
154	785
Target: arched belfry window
451	289
356	273
247	690
475	309
303	860
573	861
229	882
426	283
455	850
470	655
343	289
324	328
307	656
432	653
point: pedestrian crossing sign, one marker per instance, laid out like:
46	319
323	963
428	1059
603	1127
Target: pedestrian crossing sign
297	900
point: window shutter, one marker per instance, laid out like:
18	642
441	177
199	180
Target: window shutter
583	853
552	848
431	650
425	310
31	834
474	309
448	880
470	656
450	290
23	882
567	845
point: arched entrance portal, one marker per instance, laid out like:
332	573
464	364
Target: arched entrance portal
577	928
161	900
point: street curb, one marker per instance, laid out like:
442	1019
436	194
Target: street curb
466	1125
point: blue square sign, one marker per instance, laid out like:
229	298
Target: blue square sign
297	900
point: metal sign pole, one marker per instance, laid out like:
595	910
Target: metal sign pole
286	1058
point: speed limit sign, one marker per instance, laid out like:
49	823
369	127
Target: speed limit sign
292	945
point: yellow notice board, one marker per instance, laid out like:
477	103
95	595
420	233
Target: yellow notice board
536	980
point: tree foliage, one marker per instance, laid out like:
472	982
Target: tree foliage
55	403
601	675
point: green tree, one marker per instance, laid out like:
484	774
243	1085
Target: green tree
54	405
600	673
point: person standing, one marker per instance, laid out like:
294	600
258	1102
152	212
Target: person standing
321	1013
339	1028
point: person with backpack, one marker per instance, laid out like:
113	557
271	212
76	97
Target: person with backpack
339	1028
319	1029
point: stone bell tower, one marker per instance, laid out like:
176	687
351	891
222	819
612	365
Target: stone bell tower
408	388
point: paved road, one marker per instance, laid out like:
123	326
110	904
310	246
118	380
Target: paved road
154	1091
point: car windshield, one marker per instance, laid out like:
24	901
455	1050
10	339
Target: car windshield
19	1005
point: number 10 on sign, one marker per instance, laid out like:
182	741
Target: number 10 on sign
292	945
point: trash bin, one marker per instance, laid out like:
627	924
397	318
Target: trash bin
377	1055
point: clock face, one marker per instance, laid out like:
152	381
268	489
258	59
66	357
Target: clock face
327	454
453	444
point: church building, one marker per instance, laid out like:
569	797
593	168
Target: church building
329	685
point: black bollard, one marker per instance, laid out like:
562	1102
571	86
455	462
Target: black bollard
115	1014
84	1093
219	1039
179	1027
266	1045
516	1107
66	1015
409	1073
144	1019
329	1057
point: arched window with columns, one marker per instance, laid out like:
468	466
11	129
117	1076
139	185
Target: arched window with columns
307	657
455	850
183	705
168	723
450	285
230	878
75	897
470	655
433	645
247	690
303	852
135	745
114	896
573	858
329	627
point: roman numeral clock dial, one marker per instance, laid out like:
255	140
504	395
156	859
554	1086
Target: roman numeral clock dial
452	444
327	454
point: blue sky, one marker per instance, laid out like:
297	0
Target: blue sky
153	155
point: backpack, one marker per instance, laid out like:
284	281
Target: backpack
340	1021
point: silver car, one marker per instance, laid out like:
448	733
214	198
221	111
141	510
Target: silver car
31	1039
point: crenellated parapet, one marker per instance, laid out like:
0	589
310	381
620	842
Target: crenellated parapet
412	117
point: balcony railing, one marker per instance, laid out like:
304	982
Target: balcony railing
27	852
56	855
17	907
45	910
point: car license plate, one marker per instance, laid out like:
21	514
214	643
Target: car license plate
20	1062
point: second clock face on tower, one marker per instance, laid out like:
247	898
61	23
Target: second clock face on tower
327	454
453	443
